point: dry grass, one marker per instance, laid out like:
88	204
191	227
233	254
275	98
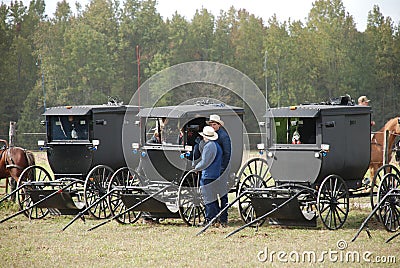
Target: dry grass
42	243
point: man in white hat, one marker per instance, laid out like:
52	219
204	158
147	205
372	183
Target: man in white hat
210	167
364	101
225	142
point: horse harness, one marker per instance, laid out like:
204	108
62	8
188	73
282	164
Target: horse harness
8	158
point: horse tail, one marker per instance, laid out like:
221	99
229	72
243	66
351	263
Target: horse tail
30	157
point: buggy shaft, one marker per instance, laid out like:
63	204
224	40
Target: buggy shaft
131	208
38	202
266	214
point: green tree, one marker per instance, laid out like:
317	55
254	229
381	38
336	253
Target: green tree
384	52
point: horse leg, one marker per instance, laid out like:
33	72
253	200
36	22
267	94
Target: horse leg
13	185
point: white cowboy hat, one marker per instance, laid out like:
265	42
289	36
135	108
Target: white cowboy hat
215	118
363	99
209	133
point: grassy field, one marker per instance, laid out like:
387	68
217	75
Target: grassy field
42	243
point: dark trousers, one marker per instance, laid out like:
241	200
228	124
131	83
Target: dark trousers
211	189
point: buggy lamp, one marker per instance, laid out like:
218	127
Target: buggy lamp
42	145
270	154
95	143
135	147
261	148
325	147
323	152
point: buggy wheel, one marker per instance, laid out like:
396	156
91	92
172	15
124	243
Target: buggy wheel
255	166
249	185
96	185
333	202
376	182
32	174
190	201
389	211
120	181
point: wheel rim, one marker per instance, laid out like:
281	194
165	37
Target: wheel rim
376	182
96	185
255	166
31	174
389	211
190	201
333	202
123	179
245	207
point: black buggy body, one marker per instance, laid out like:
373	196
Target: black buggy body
82	137
333	139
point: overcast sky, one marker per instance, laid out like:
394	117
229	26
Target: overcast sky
284	9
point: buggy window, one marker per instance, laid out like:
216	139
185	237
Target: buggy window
295	130
171	132
69	127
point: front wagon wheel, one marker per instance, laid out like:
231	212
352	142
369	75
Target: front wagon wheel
333	202
190	201
389	210
96	185
255	166
123	182
33	178
250	187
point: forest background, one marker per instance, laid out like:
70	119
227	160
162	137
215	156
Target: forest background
87	56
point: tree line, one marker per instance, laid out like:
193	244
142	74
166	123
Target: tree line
84	57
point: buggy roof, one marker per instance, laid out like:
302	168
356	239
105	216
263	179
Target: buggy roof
317	110
86	109
190	111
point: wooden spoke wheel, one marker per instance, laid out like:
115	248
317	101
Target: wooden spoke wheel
376	182
34	178
96	185
255	166
123	181
248	187
190	201
333	202
389	210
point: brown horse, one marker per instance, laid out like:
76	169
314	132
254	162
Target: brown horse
378	144
13	160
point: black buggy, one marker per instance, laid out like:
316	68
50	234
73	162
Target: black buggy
164	184
84	147
316	157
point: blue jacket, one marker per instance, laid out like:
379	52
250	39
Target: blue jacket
225	142
211	160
